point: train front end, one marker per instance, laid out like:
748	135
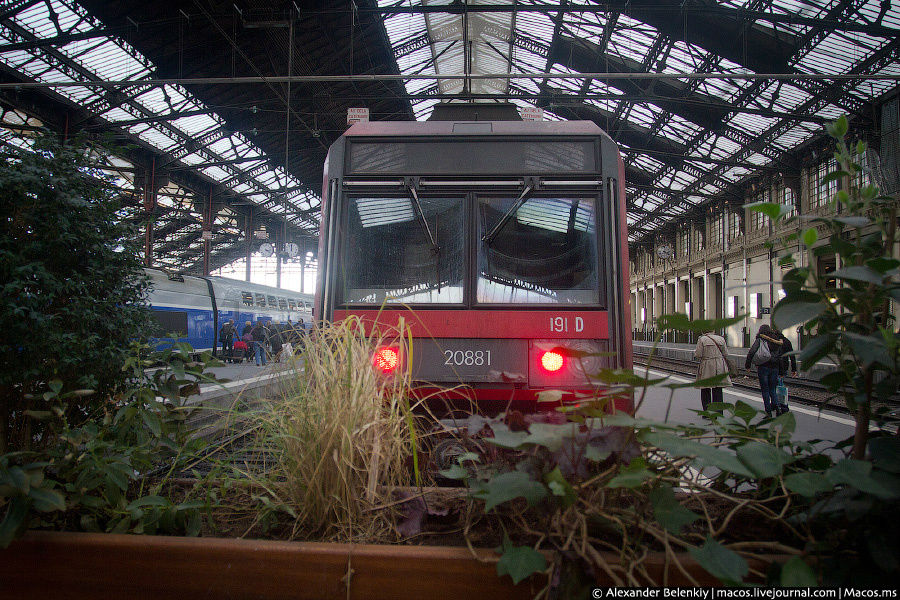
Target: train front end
500	244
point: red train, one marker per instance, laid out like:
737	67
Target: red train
501	242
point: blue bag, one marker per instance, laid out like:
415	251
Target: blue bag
781	393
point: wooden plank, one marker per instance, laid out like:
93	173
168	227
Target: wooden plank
82	565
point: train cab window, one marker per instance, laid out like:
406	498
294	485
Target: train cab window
261	300
282	304
273	303
395	253
543	252
247	298
291	304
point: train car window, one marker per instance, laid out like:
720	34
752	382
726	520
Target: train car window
282	304
261	300
273	303
546	253
247	298
166	322
394	253
291	304
307	305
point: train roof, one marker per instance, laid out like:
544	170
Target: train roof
468	128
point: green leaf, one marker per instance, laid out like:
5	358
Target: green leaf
720	562
857	474
505	438
858	273
703	454
833	176
55	385
149	501
765	460
680	322
454	472
838	129
883	264
853	221
744	411
668	512
787	313
810	237
151	420
870	349
508	486
46	500
559	486
14	521
807	484
630	479
796	573
519	562
550	435
885	453
773	210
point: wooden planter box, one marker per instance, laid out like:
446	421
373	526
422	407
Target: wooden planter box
60	566
63	565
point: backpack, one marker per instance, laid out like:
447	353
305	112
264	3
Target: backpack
762	355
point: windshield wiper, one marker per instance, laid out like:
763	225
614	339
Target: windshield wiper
523	198
418	210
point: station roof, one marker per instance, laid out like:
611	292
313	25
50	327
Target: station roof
245	96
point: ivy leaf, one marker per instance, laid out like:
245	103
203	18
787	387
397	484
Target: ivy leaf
505	438
796	573
670	514
508	486
765	460
630	479
519	562
703	454
857	474
560	487
720	562
807	484
454	472
549	435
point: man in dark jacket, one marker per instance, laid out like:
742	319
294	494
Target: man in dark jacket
786	348
768	370
259	343
226	334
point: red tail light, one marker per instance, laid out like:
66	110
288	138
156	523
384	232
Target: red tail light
552	361
386	359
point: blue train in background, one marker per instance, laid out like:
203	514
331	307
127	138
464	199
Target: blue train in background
197	307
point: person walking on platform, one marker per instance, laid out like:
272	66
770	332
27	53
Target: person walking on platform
259	343
247	338
712	352
766	353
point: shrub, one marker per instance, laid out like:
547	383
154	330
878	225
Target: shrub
72	286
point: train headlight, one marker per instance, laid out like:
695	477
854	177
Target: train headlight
552	361
386	359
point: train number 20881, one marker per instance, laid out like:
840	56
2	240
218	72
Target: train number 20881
467	358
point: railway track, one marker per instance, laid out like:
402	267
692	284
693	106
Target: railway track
802	391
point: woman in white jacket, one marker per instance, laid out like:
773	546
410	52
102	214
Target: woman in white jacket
712	351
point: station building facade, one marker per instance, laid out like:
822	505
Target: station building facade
723	261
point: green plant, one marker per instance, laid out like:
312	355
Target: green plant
110	471
72	289
735	489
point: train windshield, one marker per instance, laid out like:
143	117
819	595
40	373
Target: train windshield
544	253
404	250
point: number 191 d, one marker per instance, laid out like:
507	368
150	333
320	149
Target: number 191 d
561	324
